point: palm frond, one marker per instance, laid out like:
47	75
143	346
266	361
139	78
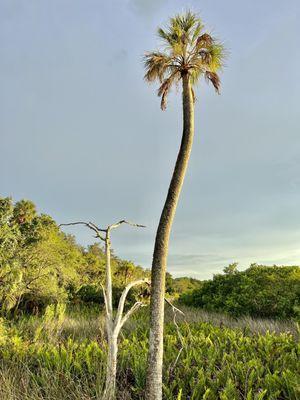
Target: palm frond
214	79
182	30
166	36
185	22
195	74
207	54
218	55
197	31
165	87
164	94
204	40
156	65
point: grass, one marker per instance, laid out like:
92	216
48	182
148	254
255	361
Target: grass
62	357
254	325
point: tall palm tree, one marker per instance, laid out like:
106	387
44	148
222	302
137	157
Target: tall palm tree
188	54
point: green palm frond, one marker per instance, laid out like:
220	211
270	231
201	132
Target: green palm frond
185	23
218	55
187	49
168	37
195	74
197	31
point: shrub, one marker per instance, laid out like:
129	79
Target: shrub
259	291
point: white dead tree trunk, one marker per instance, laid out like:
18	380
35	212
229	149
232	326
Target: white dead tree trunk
113	323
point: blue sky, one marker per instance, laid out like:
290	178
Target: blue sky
83	136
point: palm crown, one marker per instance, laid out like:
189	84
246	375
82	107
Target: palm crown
188	50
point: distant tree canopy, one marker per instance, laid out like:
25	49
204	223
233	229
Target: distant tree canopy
40	264
181	285
259	291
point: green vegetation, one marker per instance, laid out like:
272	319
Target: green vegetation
52	336
175	286
41	265
259	291
62	356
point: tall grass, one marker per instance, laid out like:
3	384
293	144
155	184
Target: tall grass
249	324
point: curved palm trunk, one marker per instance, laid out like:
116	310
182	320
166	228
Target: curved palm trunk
155	356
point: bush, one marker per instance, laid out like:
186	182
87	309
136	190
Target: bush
93	294
259	291
90	294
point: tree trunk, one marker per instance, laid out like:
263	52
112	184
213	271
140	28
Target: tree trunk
155	356
108	281
111	369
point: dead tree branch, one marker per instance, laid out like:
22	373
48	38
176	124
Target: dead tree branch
90	225
132	310
123	221
123	298
180	337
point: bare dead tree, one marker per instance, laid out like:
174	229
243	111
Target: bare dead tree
113	323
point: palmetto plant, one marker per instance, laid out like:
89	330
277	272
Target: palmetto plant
217	362
189	53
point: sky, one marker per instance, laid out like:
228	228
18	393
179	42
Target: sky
82	135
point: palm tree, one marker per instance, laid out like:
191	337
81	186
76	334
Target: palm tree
188	54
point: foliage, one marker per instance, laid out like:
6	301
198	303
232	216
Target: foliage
259	291
185	284
188	50
37	260
40	264
216	363
51	323
3	332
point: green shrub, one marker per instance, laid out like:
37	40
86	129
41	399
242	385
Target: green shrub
259	291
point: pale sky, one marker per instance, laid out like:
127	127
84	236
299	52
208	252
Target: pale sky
82	134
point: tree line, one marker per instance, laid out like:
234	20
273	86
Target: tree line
259	291
40	264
